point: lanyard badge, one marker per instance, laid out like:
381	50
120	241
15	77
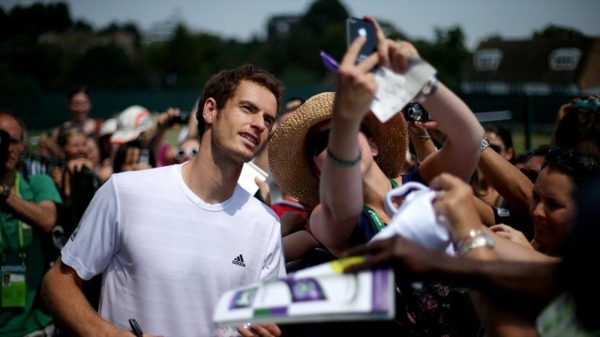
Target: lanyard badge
13	286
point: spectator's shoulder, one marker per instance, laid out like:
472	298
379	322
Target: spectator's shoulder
42	179
43	188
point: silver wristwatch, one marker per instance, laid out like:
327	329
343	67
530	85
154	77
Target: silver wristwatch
5	192
485	143
429	89
476	239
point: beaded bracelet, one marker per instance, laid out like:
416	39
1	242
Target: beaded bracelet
340	162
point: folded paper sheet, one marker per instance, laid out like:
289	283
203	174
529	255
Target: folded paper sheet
396	90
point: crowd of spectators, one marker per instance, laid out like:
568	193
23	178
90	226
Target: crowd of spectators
519	222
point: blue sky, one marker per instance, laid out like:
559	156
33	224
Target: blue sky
242	19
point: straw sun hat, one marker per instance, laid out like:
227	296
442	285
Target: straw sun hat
293	168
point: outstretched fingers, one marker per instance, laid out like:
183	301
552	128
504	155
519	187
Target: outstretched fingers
349	59
382	42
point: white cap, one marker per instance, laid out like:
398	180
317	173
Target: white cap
131	122
108	127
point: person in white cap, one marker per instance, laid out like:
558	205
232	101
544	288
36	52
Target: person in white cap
170	240
131	122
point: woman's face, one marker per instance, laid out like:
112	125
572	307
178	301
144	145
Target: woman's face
76	147
132	158
186	151
93	150
552	210
364	145
80	106
319	142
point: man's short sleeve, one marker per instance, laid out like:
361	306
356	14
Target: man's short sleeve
98	237
274	266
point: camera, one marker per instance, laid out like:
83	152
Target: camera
414	112
183	118
4	145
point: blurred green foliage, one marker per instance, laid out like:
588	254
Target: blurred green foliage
43	49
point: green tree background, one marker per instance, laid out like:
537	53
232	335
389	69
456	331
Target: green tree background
44	49
44	52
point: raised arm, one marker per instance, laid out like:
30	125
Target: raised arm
341	188
163	122
508	180
460	153
421	140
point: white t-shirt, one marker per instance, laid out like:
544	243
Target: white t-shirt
166	256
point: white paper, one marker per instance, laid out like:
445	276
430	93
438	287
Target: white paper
249	172
396	90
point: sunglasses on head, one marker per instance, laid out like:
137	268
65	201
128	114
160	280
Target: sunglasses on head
532	175
574	160
181	153
496	148
318	142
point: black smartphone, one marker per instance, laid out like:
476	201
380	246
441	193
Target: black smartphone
356	27
183	118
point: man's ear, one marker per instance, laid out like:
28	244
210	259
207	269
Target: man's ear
209	111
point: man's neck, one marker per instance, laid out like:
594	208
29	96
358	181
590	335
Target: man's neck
213	183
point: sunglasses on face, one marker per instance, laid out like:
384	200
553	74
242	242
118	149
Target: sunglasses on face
181	153
574	160
318	142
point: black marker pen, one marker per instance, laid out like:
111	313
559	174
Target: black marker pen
135	327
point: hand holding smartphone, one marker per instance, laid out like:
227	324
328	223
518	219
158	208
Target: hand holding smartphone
394	90
356	27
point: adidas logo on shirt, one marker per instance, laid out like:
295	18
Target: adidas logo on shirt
239	261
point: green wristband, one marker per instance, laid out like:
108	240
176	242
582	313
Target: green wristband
340	162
